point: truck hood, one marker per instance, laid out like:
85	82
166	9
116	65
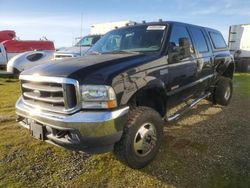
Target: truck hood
90	69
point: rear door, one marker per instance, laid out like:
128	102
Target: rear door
204	55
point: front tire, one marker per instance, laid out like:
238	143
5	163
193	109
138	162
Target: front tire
141	138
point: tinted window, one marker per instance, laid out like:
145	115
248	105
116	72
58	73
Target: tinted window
199	40
218	40
180	45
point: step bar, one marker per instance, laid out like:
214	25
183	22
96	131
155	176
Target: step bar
186	109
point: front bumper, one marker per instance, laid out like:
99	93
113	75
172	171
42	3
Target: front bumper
88	131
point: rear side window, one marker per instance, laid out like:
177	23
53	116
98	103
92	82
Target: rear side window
199	40
218	40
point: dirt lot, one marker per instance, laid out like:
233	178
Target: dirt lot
208	147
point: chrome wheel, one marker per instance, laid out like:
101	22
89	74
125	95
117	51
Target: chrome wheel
145	139
227	93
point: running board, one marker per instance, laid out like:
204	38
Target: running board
186	109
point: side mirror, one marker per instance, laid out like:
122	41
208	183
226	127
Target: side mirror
185	46
182	51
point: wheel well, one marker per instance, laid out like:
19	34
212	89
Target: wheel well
154	98
229	71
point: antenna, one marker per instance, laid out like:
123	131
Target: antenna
81	34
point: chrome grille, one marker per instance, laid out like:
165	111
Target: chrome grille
49	93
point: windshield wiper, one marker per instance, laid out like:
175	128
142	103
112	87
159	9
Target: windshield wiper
121	52
94	53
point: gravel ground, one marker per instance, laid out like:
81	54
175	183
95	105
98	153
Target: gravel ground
215	142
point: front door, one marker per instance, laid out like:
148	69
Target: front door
182	66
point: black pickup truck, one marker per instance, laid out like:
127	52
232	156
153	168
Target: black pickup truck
119	95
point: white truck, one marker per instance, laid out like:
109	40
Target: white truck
96	31
79	49
10	47
239	45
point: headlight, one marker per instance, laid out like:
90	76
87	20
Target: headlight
98	96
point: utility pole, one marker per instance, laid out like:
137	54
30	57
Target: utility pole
81	33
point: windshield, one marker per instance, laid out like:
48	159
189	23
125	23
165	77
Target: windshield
88	41
133	39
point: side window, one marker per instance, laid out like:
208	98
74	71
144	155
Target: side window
95	39
199	40
180	45
218	40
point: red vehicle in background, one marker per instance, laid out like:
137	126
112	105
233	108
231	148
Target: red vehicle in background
10	47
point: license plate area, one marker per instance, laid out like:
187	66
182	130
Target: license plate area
37	131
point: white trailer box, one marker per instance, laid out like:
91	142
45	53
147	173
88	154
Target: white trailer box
102	28
239	45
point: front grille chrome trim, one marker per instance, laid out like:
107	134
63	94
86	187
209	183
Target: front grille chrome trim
36	78
42	88
56	100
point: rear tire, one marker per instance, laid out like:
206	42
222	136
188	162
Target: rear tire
141	138
223	91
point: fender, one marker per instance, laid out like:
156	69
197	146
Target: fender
224	64
136	83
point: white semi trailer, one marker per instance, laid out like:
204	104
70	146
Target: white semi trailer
239	45
102	28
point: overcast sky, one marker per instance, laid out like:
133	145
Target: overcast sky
60	20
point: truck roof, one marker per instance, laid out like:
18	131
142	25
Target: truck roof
7	35
169	23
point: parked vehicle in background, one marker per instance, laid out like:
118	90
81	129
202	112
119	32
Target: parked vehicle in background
96	31
12	47
239	45
79	49
7	35
27	60
119	94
